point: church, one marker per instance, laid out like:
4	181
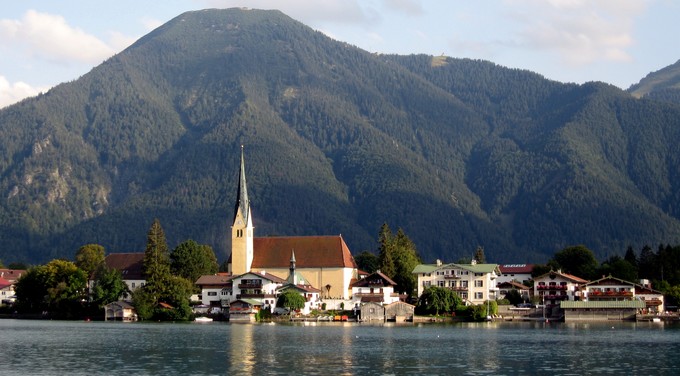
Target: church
324	262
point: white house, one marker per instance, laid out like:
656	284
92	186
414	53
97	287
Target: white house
8	279
216	289
520	273
554	287
255	286
474	283
376	288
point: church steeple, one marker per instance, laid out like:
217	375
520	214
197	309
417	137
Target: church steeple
242	201
242	229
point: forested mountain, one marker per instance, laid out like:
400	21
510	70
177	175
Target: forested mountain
458	153
662	85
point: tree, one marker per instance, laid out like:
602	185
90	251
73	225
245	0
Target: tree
156	261
631	257
619	268
438	299
514	297
58	287
647	265
108	286
386	251
191	260
479	255
89	258
367	261
405	260
291	299
577	260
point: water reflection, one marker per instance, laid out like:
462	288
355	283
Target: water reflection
49	348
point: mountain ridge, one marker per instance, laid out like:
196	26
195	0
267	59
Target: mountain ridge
459	153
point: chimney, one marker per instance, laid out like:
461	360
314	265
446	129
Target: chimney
439	262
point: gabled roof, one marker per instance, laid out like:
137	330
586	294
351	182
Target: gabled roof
218	279
301	288
130	265
475	268
375	279
263	275
570	277
516	268
608	281
11	274
512	284
310	252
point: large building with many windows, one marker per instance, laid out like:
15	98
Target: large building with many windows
474	283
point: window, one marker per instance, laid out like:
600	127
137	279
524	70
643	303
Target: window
440	283
212	293
463	295
133	285
479	283
479	295
464	284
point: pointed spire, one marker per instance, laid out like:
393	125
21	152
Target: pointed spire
242	201
292	278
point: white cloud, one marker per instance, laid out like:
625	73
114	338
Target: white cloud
12	93
580	31
409	7
51	38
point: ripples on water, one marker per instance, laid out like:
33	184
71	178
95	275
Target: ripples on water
98	348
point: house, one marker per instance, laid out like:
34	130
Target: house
325	262
244	310
474	283
520	273
608	289
654	300
215	289
505	287
376	287
8	279
372	311
131	267
119	311
399	311
260	287
554	287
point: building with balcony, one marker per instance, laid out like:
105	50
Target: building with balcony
256	286
474	283
375	288
554	287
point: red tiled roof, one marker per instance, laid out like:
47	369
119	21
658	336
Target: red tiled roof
129	264
310	252
516	268
4	283
11	274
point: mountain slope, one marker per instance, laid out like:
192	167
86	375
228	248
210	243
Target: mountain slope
459	153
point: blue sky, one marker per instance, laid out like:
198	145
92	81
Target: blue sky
46	42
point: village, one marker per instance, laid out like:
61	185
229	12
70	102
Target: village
323	272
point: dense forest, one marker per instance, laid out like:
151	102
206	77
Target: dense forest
458	153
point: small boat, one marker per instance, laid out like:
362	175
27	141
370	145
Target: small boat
656	319
203	319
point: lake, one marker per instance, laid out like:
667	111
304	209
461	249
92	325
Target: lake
496	348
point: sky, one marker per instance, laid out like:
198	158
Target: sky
46	42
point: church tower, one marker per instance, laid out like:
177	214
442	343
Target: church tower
242	229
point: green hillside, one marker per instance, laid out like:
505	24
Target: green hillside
458	153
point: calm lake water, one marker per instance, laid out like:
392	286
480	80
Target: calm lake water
99	348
